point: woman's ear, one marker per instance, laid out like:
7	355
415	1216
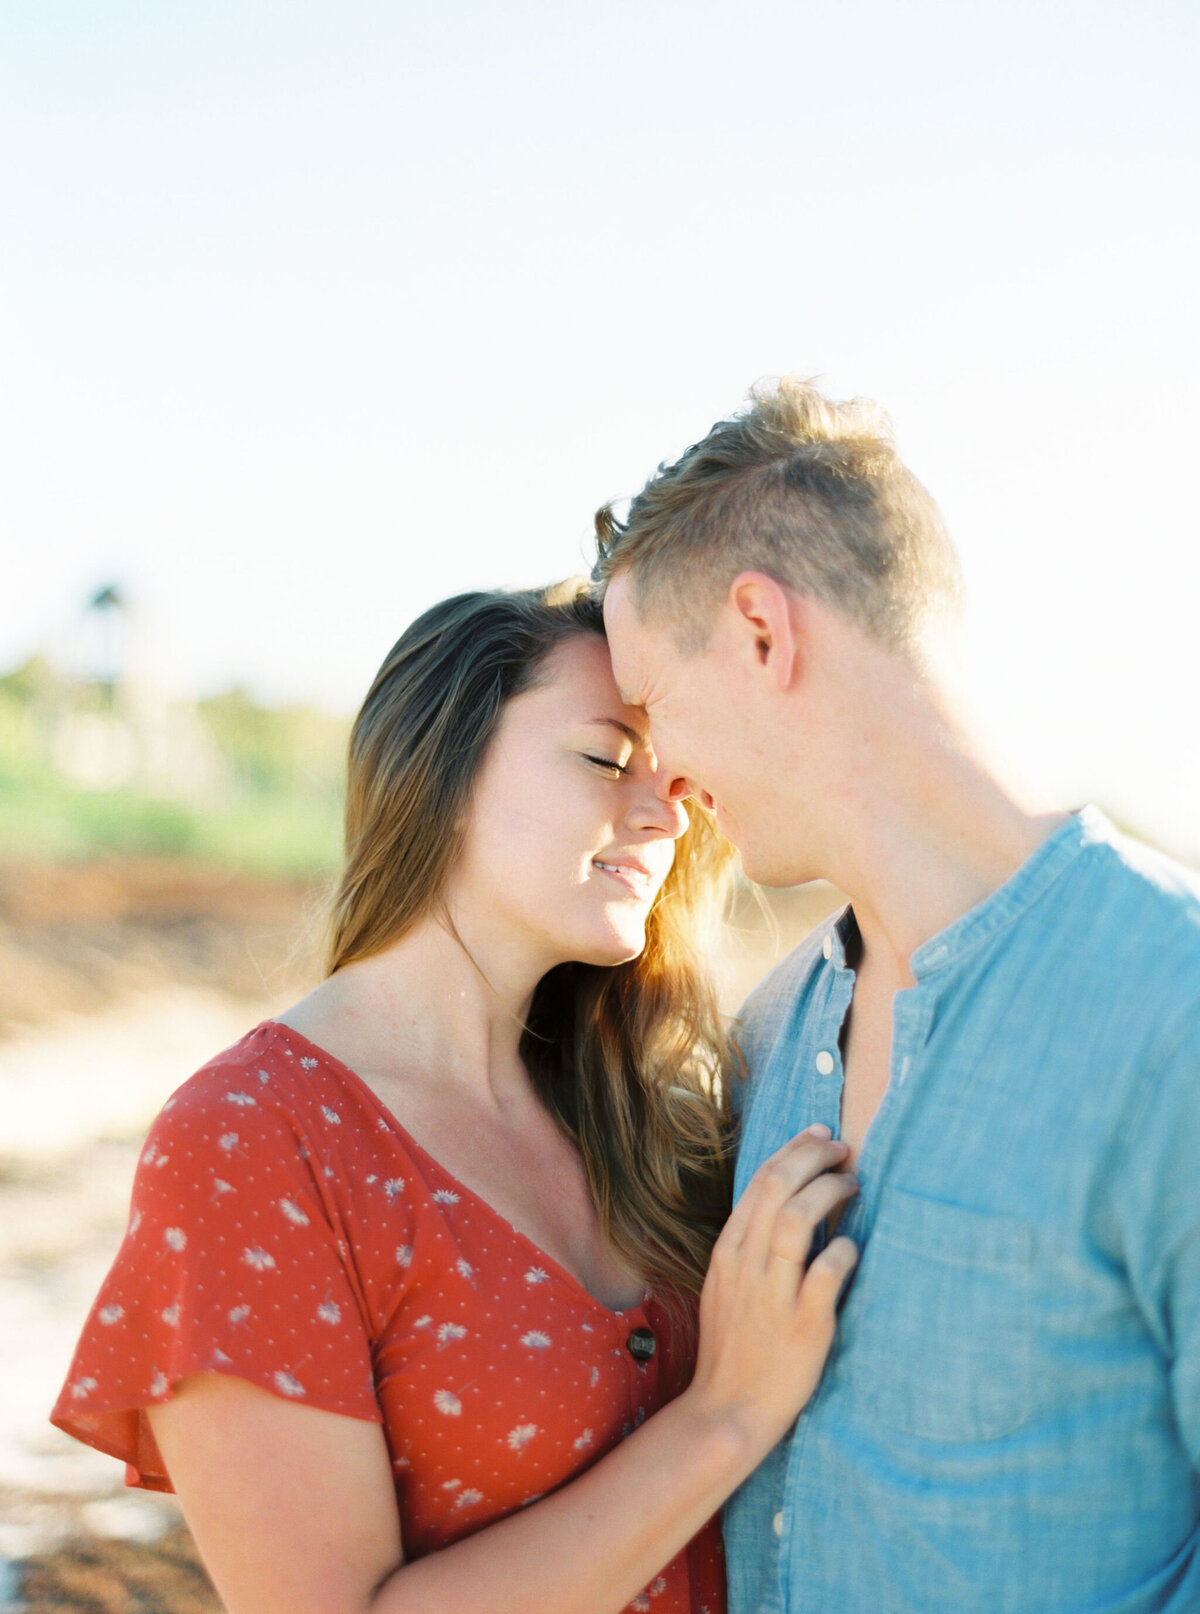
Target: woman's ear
768	617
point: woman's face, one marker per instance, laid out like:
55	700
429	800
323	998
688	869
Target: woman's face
567	842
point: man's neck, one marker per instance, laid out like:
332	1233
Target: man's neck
924	828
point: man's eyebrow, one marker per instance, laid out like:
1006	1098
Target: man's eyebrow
615	723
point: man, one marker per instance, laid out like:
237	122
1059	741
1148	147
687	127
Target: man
1004	1025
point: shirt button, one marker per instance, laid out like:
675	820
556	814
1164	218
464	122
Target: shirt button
777	1524
827	948
825	1062
641	1344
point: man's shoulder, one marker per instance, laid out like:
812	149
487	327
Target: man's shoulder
768	1008
1146	906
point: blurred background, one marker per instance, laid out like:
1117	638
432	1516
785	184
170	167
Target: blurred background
312	315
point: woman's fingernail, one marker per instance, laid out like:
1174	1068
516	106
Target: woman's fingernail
818	1130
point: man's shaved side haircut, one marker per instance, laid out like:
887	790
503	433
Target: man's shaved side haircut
805	489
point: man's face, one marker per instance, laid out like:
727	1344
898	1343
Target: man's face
709	726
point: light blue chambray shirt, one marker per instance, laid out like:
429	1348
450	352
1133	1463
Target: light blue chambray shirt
1009	1422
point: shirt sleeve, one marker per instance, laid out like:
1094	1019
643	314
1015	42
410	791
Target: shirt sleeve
1154	1199
233	1262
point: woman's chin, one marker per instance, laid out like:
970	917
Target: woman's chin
616	948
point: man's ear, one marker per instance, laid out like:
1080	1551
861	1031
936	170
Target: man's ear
768	616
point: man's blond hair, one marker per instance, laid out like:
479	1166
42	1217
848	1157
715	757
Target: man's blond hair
805	489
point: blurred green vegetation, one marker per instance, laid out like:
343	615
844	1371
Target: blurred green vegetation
236	784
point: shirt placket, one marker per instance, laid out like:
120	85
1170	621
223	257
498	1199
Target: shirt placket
822	1081
912	1017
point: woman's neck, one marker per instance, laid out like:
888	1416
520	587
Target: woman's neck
430	1002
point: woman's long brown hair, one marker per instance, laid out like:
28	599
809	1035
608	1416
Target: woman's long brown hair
627	1059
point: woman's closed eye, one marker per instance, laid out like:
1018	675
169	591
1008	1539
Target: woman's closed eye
607	764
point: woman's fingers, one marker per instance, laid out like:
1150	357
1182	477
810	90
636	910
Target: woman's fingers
823	1284
748	1232
798	1217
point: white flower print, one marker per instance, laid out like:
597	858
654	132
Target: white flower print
159	1385
258	1258
451	1485
148	1155
640	1602
220	1356
465	1269
82	1388
220	1186
242	1100
374	1177
228	1141
307	1063
595	1377
537	1275
468	1498
287	1385
135	1221
404	1255
293	1212
393	1186
263	1075
238	1314
657	1587
160	1160
176	1238
583	1441
520	1437
170	1315
423	1322
445	1196
536	1340
448	1331
111	1315
445	1401
329	1312
331	1116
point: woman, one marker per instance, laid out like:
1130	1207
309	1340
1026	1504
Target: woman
405	1261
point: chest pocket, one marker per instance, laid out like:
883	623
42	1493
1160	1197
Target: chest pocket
938	1328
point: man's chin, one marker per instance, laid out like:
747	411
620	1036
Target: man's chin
774	873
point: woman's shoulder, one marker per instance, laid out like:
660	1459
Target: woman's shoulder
271	1071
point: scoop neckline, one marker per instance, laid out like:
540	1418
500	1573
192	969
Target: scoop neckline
356	1082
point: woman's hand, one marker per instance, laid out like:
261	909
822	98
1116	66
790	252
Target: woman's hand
766	1323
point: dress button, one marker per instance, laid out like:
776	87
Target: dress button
825	1062
641	1344
827	947
777	1524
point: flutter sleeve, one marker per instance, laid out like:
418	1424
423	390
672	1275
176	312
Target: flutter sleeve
234	1261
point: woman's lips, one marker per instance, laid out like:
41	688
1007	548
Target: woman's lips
636	879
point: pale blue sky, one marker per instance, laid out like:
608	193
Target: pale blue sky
313	313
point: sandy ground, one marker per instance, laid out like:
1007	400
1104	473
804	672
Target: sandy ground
82	1073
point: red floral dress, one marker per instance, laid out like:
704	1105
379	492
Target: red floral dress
285	1229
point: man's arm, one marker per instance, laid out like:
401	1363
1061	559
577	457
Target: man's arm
1154	1194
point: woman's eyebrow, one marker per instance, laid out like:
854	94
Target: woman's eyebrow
614	723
